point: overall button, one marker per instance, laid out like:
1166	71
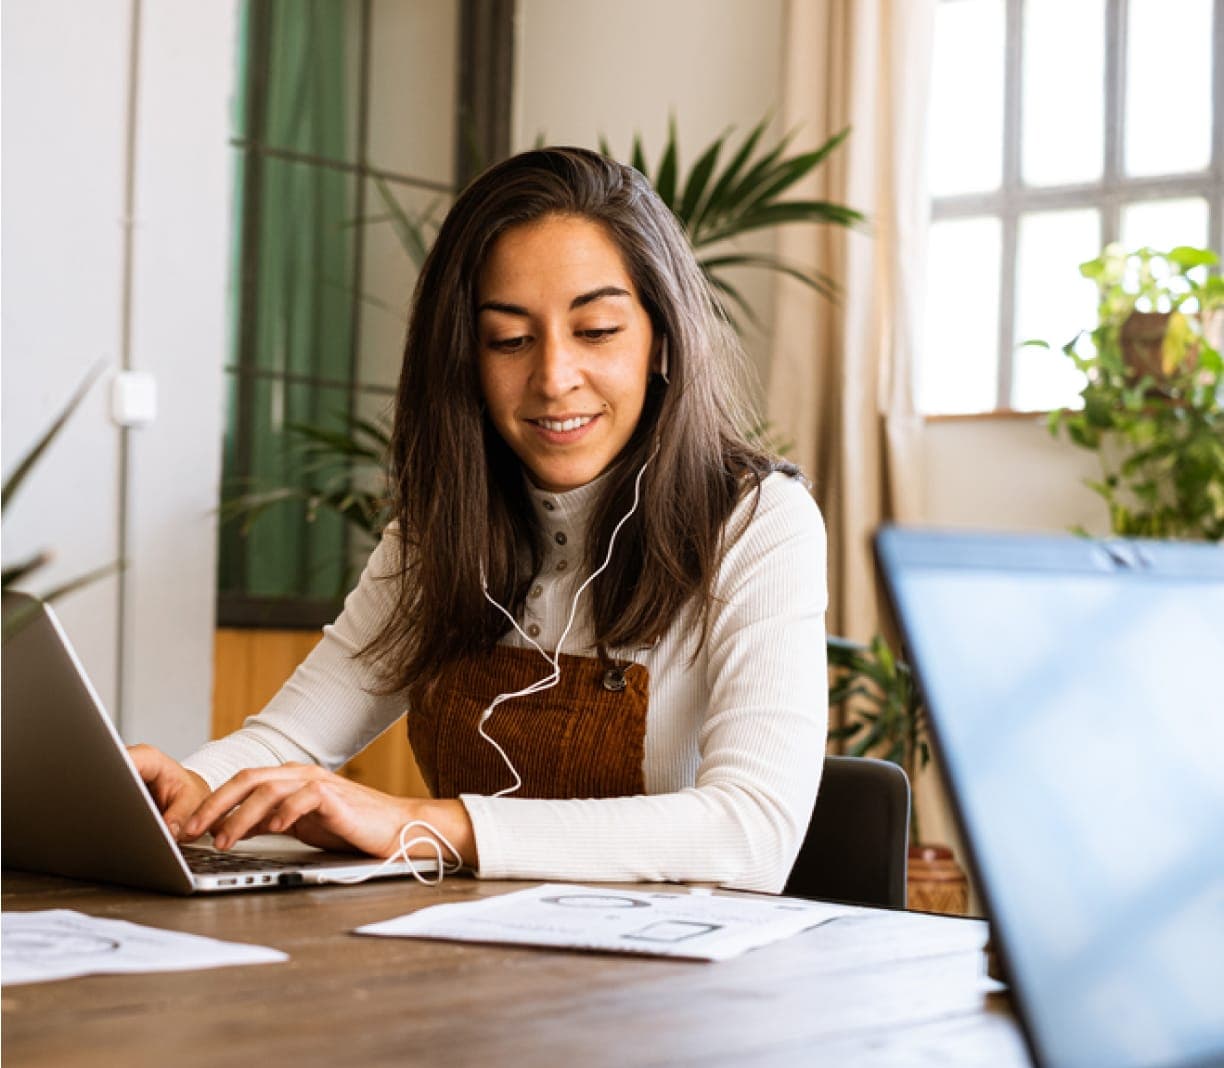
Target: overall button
562	565
560	537
614	680
534	630
537	590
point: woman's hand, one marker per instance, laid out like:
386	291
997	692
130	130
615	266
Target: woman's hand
176	791
325	810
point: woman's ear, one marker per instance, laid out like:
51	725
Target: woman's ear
661	366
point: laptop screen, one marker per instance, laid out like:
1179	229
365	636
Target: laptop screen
1076	693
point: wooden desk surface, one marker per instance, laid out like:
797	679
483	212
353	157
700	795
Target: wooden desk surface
873	989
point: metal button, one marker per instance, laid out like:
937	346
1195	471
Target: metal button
549	506
562	565
536	591
560	537
614	680
534	630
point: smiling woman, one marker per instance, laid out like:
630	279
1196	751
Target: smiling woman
599	606
566	349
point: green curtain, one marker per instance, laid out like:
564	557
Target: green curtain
294	288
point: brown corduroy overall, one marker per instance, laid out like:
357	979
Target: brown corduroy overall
584	737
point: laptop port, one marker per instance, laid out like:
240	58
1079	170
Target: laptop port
227	882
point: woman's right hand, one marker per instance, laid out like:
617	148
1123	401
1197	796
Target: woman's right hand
177	791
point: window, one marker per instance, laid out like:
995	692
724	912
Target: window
340	106
1056	127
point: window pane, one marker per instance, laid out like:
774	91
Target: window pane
307	99
959	369
1064	91
1053	303
1168	91
1164	224
966	120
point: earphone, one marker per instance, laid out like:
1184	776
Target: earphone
438	840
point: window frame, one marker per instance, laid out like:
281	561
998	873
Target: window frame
1113	190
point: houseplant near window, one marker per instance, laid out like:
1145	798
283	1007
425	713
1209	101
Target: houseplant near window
883	715
1153	402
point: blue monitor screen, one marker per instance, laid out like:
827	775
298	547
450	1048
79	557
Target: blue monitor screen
1079	717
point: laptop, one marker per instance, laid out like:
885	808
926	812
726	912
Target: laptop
74	804
1076	699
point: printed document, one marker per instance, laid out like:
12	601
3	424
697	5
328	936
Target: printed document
60	943
664	923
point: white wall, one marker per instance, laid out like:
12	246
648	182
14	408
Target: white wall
1008	473
69	67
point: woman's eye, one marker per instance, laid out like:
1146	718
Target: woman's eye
599	333
507	344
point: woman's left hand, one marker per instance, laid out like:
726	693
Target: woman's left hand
325	810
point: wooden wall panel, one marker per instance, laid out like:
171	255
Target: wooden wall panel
251	665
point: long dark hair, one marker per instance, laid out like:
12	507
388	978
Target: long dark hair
460	501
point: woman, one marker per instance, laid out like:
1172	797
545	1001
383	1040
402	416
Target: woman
601	607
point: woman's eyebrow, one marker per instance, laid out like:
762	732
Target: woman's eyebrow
598	294
501	306
579	301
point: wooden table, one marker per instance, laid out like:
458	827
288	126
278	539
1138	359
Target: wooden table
872	989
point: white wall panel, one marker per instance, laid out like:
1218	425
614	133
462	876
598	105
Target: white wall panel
180	334
68	74
65	77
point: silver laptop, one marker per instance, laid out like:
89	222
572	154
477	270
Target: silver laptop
1076	698
74	804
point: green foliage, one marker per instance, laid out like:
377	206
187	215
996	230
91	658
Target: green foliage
1152	401
882	710
14	574
717	206
343	472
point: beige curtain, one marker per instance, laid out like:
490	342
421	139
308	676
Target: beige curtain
840	374
840	377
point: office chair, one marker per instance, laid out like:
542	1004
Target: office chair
857	843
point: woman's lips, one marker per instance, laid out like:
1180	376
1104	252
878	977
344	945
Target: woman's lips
563	431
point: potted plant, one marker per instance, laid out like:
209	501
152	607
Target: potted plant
883	715
1153	399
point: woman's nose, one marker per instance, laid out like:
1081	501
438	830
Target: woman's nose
557	369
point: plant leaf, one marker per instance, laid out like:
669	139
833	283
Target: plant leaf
665	178
822	283
698	180
715	205
26	464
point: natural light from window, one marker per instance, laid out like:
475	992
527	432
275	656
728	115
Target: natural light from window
1055	127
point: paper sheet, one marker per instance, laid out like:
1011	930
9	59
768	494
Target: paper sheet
60	943
656	923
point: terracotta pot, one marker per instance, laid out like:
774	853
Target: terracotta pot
1142	340
936	883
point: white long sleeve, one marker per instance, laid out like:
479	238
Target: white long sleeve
734	738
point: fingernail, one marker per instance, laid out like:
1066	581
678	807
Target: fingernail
174	830
221	843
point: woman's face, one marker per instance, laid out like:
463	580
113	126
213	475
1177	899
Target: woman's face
565	348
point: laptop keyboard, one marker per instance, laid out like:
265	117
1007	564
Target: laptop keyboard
210	862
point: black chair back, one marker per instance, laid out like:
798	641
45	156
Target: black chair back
856	846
